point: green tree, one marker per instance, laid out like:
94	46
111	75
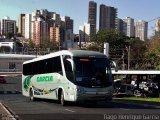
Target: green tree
31	44
110	36
92	47
137	53
9	35
119	47
44	42
47	43
152	55
53	45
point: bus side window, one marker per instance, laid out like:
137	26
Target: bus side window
57	66
42	67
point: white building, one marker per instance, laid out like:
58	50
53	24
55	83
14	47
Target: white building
81	33
9	45
84	33
157	29
13	62
28	26
0	27
129	30
141	30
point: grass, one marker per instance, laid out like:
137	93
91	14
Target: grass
140	99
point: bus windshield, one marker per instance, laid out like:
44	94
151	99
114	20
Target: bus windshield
91	72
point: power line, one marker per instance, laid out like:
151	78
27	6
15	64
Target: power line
154	19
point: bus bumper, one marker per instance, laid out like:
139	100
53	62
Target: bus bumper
95	96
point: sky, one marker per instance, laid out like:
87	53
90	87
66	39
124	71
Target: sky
78	9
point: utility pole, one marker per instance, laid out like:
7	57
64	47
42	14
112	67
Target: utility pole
123	65
59	43
129	56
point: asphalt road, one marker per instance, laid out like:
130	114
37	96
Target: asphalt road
51	110
12	84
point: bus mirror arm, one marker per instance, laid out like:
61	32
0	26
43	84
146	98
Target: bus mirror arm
71	61
113	63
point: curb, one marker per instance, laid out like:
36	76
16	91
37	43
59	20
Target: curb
12	113
136	104
10	92
9	115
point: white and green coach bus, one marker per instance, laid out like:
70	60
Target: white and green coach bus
68	75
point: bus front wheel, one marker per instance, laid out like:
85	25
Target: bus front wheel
62	99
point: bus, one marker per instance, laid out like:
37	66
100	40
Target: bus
68	75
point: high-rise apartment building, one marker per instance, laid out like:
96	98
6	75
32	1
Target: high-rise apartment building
40	32
55	34
121	26
141	30
43	13
55	19
35	16
130	29
21	24
8	26
28	26
92	17
66	28
68	23
107	18
43	19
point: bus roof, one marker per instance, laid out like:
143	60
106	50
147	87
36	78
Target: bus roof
136	72
86	53
79	53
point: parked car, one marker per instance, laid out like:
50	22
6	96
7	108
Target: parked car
146	88
122	88
2	79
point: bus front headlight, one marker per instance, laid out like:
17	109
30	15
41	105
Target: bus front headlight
80	90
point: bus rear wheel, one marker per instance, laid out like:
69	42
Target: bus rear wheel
31	95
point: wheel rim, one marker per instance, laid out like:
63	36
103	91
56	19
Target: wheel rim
137	93
31	95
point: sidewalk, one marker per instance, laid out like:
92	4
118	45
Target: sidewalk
5	114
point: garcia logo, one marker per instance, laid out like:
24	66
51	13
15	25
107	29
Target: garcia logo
44	78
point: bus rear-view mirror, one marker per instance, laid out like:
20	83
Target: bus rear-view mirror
71	62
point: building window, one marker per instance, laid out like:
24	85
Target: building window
12	65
